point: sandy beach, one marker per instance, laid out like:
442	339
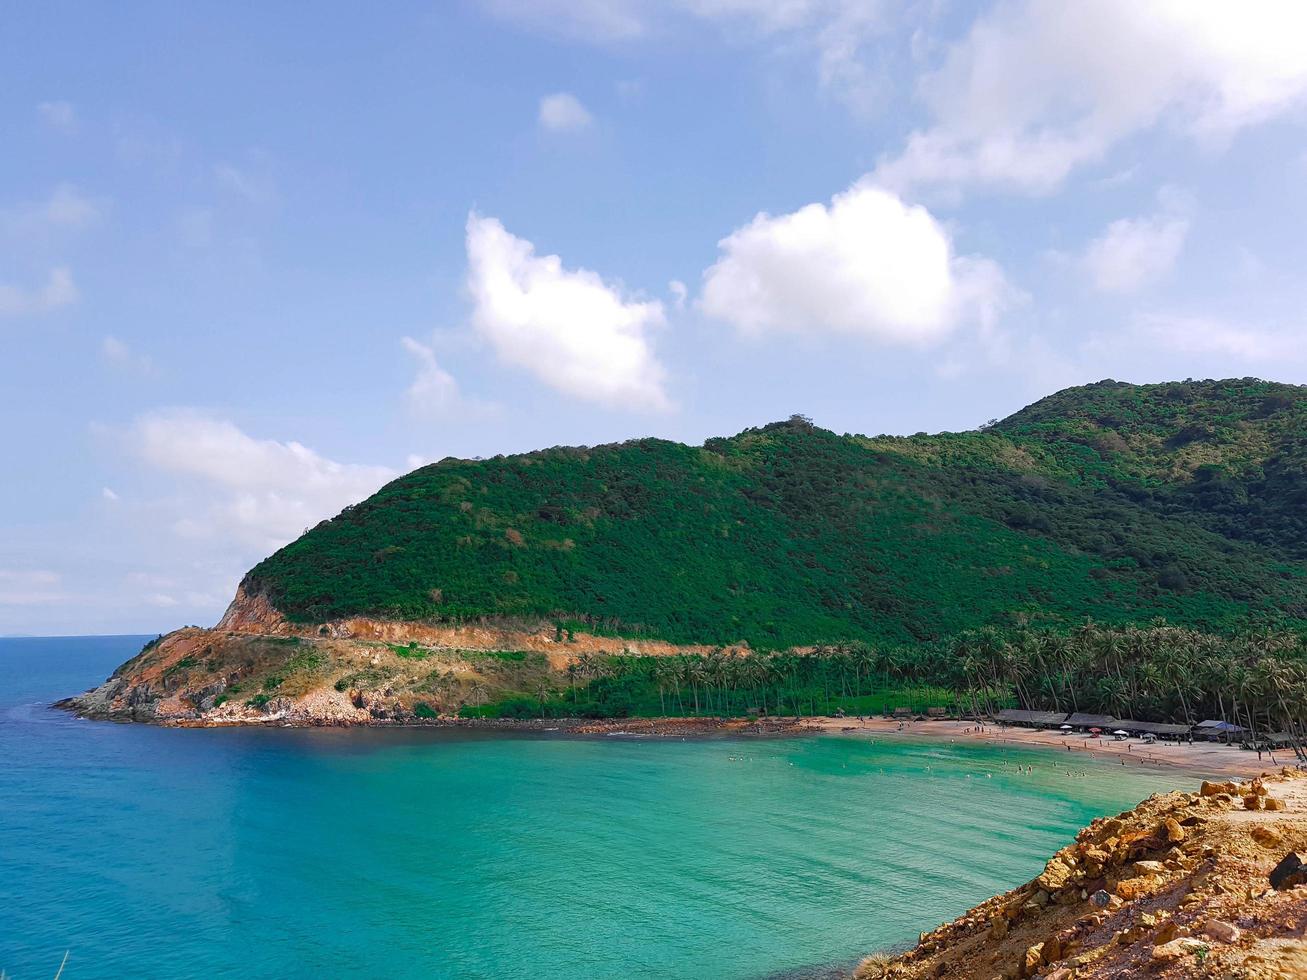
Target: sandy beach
1201	758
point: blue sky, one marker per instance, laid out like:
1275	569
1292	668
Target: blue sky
255	263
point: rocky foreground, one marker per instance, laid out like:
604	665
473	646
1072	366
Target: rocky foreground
1207	884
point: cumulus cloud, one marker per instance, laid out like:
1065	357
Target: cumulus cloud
868	265
261	490
563	112
680	293
568	327
57	291
1133	252
1035	89
59	116
434	390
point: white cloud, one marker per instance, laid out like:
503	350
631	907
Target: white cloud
835	32
66	209
563	112
1133	252
117	353
110	495
58	291
591	20
1212	336
568	327
261	490
29	588
1037	89
254	183
59	116
868	264
434	390
680	293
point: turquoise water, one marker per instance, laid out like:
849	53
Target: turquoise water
178	853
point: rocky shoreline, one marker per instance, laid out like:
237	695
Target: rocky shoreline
1207	884
695	727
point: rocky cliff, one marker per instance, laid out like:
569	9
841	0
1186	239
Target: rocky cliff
257	667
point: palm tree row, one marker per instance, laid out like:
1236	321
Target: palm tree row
1257	680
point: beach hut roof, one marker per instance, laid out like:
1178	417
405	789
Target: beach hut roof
1216	725
1081	719
1021	717
1152	727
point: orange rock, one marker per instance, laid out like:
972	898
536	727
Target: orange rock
1133	888
1033	960
1178	949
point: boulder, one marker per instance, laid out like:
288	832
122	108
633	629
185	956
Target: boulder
1290	872
1033	960
1266	836
1272	803
1133	888
1178	949
1221	931
1172	830
1252	802
1056	875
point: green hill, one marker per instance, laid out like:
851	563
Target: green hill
1118	502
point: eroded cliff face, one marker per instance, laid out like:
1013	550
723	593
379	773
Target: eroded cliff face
256	667
1184	885
254	614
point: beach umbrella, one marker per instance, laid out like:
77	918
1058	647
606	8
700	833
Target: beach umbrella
1066	728
1119	732
1095	729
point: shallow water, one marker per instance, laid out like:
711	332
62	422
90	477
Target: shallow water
174	853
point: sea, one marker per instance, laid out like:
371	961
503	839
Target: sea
149	852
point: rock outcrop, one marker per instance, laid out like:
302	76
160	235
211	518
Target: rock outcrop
1184	885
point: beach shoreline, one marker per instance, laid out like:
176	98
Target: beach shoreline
1200	758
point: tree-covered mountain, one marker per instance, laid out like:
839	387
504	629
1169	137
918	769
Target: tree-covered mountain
1115	502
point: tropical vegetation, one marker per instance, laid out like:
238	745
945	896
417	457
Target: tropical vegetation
1112	502
1255	680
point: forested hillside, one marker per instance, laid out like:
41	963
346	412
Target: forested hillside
1115	502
